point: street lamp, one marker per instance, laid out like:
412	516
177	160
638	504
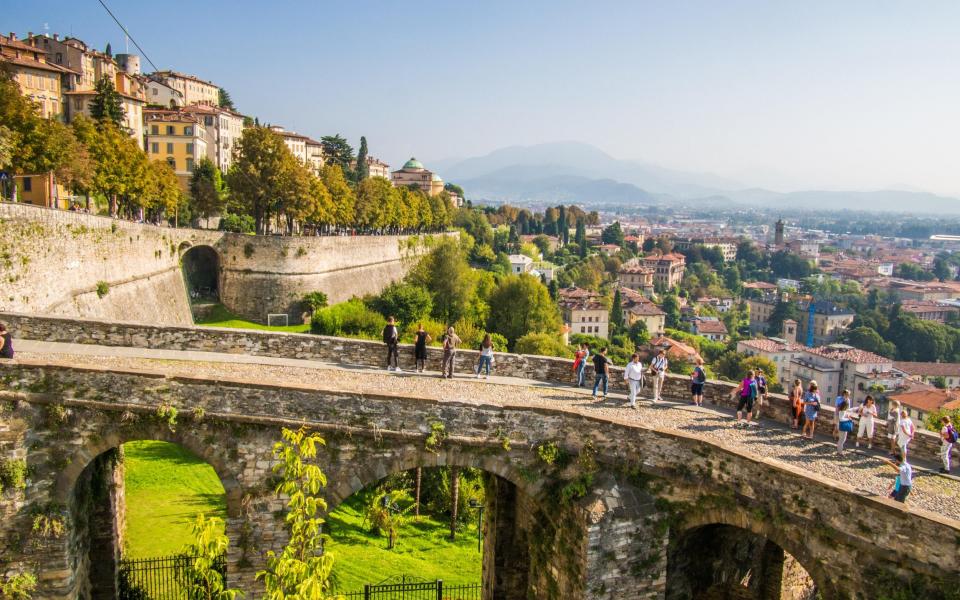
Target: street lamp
474	503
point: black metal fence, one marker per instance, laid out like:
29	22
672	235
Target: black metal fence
158	578
418	590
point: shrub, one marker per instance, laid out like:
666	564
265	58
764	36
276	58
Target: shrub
436	329
103	288
542	344
314	301
13	474
408	303
352	317
237	223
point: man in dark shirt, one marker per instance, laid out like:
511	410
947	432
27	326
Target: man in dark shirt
391	337
601	368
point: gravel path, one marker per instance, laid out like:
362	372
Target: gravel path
863	471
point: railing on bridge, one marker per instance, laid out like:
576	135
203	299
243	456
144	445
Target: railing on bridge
158	578
414	588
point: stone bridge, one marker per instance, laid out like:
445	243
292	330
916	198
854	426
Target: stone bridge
631	509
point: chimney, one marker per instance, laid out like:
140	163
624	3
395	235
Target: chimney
790	330
56	37
13	36
29	34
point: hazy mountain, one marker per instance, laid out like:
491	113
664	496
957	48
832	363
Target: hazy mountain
579	173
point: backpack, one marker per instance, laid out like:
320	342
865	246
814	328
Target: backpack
389	333
952	435
749	389
699	376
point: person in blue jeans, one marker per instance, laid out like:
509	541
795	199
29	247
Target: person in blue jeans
582	355
601	366
486	356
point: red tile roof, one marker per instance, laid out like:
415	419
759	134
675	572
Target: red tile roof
925	400
929	369
771	345
714	327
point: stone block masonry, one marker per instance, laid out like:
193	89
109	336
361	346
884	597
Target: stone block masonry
926	444
79	265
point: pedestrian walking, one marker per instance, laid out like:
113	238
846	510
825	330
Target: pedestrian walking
580	358
420	348
843	397
796	402
948	437
658	369
905	432
811	408
6	342
450	344
601	367
844	424
904	481
747	392
486	356
697	379
867	413
761	393
633	375
391	337
893	423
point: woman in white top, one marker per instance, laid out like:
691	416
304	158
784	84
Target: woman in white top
633	375
867	413
905	432
486	357
893	422
845	416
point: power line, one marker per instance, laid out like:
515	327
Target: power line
127	33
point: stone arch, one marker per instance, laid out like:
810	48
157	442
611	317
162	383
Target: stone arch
785	537
93	447
201	265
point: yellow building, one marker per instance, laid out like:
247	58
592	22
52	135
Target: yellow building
194	89
177	137
414	173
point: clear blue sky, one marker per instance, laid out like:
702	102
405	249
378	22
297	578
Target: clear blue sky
837	94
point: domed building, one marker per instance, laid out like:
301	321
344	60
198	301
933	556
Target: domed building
414	173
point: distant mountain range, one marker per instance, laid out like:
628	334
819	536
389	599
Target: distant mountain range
575	172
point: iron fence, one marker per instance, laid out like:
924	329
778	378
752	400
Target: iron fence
158	578
418	590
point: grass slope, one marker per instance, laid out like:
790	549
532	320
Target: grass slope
221	317
422	550
166	486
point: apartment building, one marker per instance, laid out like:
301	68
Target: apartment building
223	129
584	313
822	322
177	137
193	89
637	307
667	268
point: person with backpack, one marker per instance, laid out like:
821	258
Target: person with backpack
844	424
580	362
905	432
6	343
391	337
796	402
948	437
844	397
748	395
761	393
633	375
486	356
811	408
601	367
867	413
697	379
658	369
450	343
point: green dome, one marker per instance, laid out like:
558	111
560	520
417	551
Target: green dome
436	177
412	164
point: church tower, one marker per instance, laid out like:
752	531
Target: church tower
778	233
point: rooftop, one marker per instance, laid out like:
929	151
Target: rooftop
710	326
929	369
925	400
412	165
772	345
848	354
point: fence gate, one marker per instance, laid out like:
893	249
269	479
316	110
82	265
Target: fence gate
414	588
158	578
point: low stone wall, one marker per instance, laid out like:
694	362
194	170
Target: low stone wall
926	444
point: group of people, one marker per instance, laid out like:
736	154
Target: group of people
633	374
451	343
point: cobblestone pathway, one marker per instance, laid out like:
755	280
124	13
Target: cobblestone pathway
863	471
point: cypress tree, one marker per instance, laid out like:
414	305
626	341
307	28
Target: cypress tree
363	169
562	232
616	312
581	238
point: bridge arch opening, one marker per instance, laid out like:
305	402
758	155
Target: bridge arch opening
201	272
719	561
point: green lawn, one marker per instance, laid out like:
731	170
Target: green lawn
221	317
166	486
422	550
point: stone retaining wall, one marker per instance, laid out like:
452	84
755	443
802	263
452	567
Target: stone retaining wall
926	445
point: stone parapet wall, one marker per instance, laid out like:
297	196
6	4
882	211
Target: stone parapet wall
926	445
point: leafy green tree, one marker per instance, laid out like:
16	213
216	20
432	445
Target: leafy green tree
342	198
260	175
206	189
441	211
363	169
671	306
107	105
118	163
376	204
616	312
302	569
781	312
384	514
224	99
542	344
613	234
314	301
913	272
921	341
408	303
581	238
519	305
199	578
638	333
785	264
868	339
449	278
160	194
337	151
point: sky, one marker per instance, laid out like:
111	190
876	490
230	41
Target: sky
786	95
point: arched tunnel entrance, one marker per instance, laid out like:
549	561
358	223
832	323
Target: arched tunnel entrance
724	562
201	273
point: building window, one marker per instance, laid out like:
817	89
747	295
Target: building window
188	130
172	162
28	184
169	147
156	92
155	147
155	129
208	120
190	164
170	130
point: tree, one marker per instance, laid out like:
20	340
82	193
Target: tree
868	339
581	238
206	189
376	201
613	234
363	169
224	99
259	174
519	305
671	306
408	303
638	333
161	194
542	344
314	301
118	163
342	198
785	264
616	312
785	309
337	151
108	50
449	278
199	578
919	341
302	569
107	104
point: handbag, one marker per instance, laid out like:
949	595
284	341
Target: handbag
846	426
